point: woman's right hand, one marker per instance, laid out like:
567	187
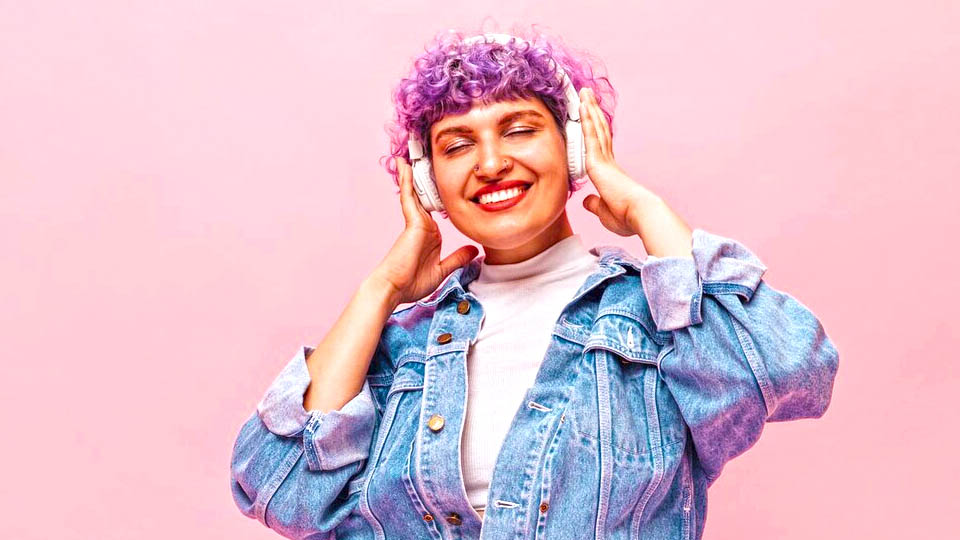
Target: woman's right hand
413	266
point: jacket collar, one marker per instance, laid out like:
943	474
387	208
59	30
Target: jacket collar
612	260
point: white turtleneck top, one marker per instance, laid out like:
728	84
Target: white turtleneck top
521	304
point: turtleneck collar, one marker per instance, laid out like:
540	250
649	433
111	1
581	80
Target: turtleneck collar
566	253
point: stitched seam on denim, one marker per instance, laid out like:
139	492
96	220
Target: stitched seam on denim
408	356
448	286
610	346
428	486
630	451
569	333
686	464
283	470
655	434
546	480
756	366
309	444
364	503
657	336
641	454
720	287
456	346
404	386
412	491
606	453
695	300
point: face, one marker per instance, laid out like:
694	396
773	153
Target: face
493	147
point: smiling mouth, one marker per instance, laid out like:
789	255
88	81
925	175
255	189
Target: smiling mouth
502	195
496	204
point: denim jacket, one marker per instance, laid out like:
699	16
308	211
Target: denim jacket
657	374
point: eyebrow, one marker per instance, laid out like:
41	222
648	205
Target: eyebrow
505	119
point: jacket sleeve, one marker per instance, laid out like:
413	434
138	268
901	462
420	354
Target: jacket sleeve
289	465
742	353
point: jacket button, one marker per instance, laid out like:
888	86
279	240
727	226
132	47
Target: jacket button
454	518
543	507
435	423
427	517
463	307
444	338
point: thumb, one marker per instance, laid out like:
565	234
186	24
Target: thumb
592	204
458	258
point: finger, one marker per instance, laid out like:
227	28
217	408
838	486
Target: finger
458	258
596	205
595	124
589	131
600	123
592	203
606	137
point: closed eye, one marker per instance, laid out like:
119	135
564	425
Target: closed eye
514	132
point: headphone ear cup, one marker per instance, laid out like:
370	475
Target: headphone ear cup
576	150
425	185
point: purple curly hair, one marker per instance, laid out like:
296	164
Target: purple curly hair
450	76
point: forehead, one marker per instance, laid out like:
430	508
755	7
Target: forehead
489	113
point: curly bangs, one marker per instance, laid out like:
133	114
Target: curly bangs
450	77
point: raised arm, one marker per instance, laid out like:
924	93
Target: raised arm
312	431
311	435
742	352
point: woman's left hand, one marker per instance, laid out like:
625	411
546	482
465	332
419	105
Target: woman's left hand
620	196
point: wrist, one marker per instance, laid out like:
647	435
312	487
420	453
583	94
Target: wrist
377	286
662	231
645	207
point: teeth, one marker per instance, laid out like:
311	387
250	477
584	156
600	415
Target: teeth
501	195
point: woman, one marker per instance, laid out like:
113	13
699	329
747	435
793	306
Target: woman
605	394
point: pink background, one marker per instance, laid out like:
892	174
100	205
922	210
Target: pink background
190	190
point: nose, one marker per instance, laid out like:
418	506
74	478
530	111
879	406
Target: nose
492	164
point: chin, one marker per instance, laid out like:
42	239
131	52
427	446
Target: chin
506	237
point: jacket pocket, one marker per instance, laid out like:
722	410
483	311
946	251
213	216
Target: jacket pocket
407	378
621	355
613	422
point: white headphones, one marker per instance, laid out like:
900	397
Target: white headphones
424	182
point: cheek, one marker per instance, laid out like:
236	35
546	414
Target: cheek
446	177
548	156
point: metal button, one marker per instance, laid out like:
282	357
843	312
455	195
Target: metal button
463	307
444	338
454	518
543	507
427	517
435	423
